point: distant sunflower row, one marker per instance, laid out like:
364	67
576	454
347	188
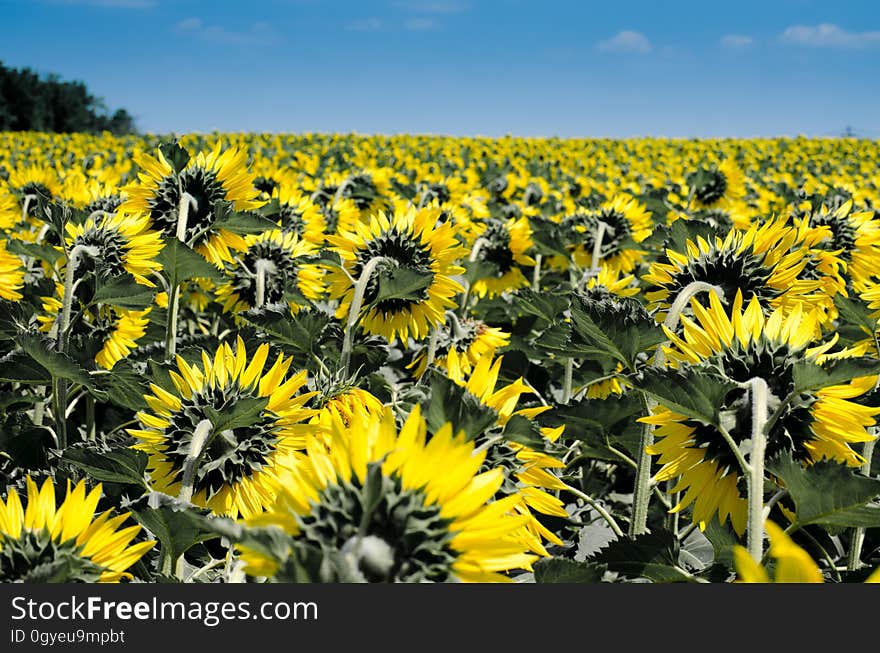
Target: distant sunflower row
429	359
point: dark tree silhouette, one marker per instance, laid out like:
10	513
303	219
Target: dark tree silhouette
29	103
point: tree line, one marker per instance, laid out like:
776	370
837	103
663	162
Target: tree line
29	102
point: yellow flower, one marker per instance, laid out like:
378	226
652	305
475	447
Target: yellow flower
793	564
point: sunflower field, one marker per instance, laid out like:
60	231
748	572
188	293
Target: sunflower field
339	358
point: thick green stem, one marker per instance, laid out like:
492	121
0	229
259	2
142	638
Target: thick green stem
263	268
200	437
26	205
566	380
642	492
536	273
174	291
59	385
595	505
854	559
354	311
755	533
596	258
90	418
432	345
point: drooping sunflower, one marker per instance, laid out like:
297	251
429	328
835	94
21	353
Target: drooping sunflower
718	186
11	274
460	343
739	345
46	542
33	180
299	215
10	212
851	236
209	177
528	470
121	330
504	244
282	258
402	507
624	222
124	243
412	240
237	473
765	262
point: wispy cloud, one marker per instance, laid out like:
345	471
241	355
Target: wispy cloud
365	25
420	24
626	41
827	35
114	4
259	33
736	41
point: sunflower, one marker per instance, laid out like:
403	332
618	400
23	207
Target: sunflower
460	343
45	542
740	345
283	258
411	240
124	243
765	262
851	236
718	186
208	177
238	471
792	563
503	244
298	214
527	469
11	274
10	213
403	507
122	329
624	221
35	180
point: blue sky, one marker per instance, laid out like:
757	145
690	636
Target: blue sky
614	68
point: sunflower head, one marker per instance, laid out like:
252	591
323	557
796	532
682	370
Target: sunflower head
46	542
408	244
209	179
621	223
249	422
791	564
739	345
399	506
503	244
717	185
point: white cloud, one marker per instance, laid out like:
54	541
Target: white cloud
259	33
626	41
419	24
827	35
736	41
365	25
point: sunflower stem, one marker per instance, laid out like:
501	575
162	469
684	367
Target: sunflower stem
595	505
596	258
674	315
355	309
59	385
566	380
854	559
174	293
263	268
536	273
26	205
432	345
200	437
90	418
755	535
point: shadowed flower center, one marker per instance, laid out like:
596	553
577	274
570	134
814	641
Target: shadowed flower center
205	189
496	248
729	270
282	277
713	187
403	251
34	557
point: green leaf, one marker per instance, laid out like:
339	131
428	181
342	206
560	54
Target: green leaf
449	402
548	237
59	366
23	442
829	493
175	524
244	412
855	312
601	423
302	332
810	376
546	306
401	283
691	392
116	465
653	556
34	250
124	292
124	386
564	570
180	263
618	327
523	431
18	367
176	156
476	270
241	223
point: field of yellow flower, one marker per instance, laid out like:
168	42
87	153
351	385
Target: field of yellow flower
279	358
